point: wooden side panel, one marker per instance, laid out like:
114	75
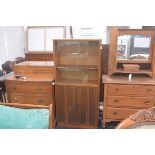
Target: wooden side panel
93	106
104	59
153	61
112	51
60	99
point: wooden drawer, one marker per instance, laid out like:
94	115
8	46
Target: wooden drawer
127	101
30	99
29	87
131	89
119	113
39	57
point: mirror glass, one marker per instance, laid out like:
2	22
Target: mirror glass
133	47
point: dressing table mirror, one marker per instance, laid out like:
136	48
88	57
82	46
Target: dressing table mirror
131	51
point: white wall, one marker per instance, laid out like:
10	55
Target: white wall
11	43
98	32
12	40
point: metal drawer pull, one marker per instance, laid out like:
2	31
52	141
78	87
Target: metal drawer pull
116	101
53	83
148	90
115	113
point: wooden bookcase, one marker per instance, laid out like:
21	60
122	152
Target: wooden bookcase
77	77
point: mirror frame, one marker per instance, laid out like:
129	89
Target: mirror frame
114	33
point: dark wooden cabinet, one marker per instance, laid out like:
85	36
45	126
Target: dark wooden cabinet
77	76
77	106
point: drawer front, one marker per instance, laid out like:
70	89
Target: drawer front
127	101
39	57
131	89
119	113
29	99
27	87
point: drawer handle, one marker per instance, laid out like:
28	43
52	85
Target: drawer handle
147	102
116	101
14	87
115	113
39	89
40	101
117	89
16	99
148	90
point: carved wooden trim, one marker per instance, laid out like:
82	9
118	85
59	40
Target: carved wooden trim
144	115
141	117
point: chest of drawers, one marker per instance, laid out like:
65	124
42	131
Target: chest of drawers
123	98
32	91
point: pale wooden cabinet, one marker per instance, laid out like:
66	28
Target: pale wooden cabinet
123	98
31	83
31	91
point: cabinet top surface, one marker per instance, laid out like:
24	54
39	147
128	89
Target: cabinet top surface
124	79
77	39
36	63
39	53
29	79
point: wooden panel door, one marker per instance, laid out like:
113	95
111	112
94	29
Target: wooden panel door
77	106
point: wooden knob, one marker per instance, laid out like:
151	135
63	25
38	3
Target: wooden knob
148	90
40	101
117	89
116	101
16	99
147	102
39	89
14	87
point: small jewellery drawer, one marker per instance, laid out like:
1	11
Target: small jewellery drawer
131	89
28	87
30	99
127	101
119	113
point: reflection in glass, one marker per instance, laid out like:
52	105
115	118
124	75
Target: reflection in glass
133	47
